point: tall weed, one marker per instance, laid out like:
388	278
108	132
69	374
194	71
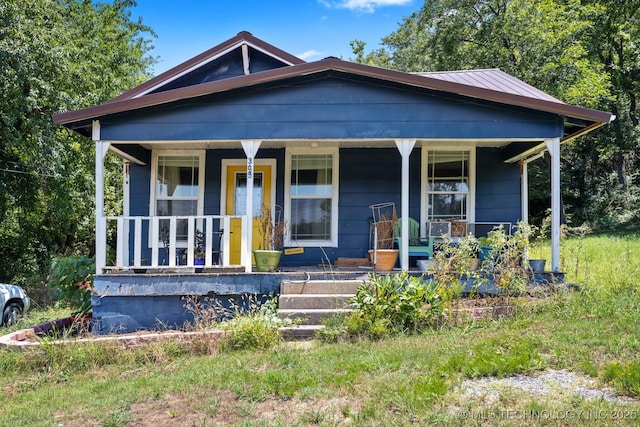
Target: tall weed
255	326
389	304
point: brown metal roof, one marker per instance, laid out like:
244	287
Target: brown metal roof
492	79
490	85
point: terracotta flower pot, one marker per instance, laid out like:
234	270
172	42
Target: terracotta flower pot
386	259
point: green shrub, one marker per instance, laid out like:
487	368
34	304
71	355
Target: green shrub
257	327
386	305
71	279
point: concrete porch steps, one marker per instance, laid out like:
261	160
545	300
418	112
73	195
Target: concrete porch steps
320	286
313	301
309	302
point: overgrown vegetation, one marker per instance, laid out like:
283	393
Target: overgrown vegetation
58	56
398	303
71	280
389	304
250	323
401	380
253	327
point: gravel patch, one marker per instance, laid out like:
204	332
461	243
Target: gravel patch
553	384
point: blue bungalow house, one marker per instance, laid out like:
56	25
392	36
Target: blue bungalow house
246	124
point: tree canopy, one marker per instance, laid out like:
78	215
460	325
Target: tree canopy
56	55
583	52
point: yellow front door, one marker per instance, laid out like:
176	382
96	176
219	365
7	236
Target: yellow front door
236	200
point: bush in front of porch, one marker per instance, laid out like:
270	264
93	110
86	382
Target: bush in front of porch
389	304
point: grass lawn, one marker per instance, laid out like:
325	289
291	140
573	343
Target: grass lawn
593	332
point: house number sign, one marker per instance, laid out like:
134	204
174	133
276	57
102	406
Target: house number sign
249	168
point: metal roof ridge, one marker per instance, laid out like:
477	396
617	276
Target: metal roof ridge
470	70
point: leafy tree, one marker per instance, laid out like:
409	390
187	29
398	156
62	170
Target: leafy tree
581	51
56	55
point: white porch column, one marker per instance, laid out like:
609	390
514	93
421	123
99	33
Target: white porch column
524	190
126	211
553	145
250	149
405	146
101	224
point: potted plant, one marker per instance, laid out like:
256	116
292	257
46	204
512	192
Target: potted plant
485	249
271	230
384	255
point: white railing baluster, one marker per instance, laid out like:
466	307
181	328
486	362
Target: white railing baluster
208	238
155	240
120	242
120	237
173	231
137	242
190	240
224	244
244	245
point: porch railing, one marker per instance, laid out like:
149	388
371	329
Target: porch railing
155	242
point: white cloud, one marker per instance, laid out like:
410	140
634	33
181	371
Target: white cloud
308	54
368	6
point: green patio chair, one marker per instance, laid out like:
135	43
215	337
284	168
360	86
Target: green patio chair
417	246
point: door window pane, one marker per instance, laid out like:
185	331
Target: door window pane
241	194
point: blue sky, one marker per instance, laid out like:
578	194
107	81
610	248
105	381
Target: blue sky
310	29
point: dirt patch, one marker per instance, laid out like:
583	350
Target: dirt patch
224	408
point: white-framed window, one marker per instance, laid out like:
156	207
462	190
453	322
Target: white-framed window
448	184
311	197
177	188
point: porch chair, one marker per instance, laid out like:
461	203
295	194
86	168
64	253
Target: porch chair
416	246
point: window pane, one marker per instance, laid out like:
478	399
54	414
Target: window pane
311	219
177	176
448	164
443	206
177	207
241	194
449	186
311	175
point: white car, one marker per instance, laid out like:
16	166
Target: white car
13	303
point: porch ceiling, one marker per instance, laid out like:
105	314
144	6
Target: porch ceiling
350	143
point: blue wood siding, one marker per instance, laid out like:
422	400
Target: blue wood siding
497	187
330	108
140	188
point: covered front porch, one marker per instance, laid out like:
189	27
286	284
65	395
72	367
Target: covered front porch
219	237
